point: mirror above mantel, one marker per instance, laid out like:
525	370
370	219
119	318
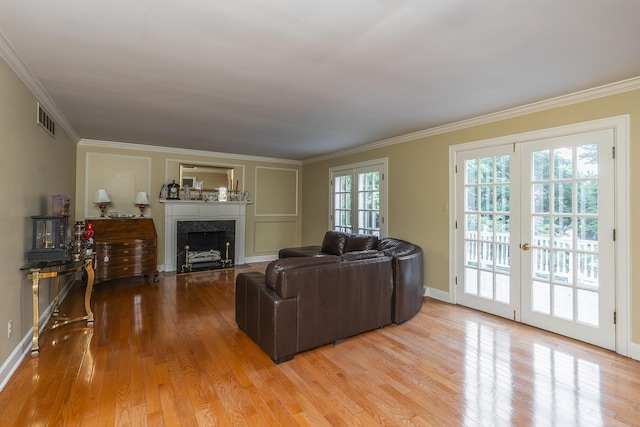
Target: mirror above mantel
208	177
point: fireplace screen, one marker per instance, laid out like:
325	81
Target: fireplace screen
205	245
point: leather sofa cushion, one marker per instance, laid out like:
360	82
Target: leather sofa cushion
333	243
358	255
360	242
275	267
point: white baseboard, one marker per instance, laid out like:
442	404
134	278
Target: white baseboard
263	258
634	351
437	294
24	346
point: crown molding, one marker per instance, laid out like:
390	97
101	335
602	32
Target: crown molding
14	61
183	151
559	101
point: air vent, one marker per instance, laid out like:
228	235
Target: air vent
45	121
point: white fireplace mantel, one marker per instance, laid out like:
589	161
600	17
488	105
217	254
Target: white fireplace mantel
198	210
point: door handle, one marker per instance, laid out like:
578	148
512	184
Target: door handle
526	246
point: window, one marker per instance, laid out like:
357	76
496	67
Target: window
358	198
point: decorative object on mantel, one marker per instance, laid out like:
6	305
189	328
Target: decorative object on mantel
102	198
173	191
187	193
142	200
164	192
222	194
49	238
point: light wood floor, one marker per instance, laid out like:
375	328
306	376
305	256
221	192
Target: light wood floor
171	354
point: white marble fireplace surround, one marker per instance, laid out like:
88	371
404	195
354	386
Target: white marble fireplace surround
198	210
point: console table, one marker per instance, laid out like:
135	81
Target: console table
55	269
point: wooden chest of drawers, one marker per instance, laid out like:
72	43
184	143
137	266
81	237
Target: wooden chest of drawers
124	248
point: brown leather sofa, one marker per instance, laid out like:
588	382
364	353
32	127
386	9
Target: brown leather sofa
317	295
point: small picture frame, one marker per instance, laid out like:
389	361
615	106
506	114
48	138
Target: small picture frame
188	181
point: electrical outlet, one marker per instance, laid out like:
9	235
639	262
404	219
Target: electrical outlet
9	328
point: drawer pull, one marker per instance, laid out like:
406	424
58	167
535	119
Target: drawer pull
125	268
125	252
126	260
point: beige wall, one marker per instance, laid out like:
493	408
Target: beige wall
418	180
108	165
33	167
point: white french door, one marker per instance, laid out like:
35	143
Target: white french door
489	221
567	252
358	194
535	225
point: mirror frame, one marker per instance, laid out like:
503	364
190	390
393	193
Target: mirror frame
191	170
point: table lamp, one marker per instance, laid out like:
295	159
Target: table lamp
142	200
102	198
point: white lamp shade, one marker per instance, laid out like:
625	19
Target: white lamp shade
101	196
142	198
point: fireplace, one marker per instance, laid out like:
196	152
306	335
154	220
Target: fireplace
205	245
176	211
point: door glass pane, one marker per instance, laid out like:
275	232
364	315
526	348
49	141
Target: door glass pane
502	228
503	288
486	255
541	165
563	163
502	198
471	171
471	199
540	297
588	234
486	199
562	197
471	253
587	270
486	284
563	302
471	281
471	226
541	198
587	197
503	171
588	311
563	232
541	231
503	258
540	263
486	170
486	227
587	161
563	267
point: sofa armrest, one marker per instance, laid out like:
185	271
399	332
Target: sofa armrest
408	285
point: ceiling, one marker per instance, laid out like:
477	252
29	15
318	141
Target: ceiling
296	79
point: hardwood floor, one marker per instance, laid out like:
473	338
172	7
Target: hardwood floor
171	354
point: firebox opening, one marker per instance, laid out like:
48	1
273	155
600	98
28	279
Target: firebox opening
205	245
